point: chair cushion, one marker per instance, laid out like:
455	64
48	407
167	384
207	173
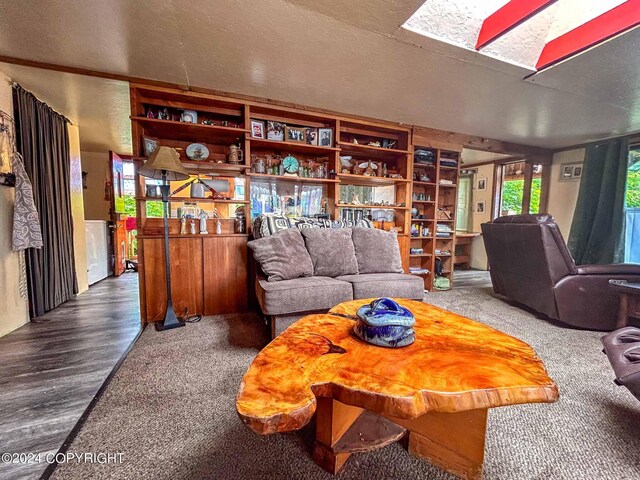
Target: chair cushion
331	250
282	256
373	285
377	251
301	294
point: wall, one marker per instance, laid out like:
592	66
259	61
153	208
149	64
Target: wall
478	253
77	210
96	165
14	311
564	195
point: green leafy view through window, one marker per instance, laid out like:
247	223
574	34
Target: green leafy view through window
512	191
154	208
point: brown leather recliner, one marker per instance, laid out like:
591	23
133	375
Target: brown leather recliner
529	263
623	350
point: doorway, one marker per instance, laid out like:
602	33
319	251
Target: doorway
124	255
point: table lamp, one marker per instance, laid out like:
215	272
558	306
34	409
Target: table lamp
164	164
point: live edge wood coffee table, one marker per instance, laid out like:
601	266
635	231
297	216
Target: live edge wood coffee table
365	397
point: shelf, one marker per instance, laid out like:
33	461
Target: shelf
194	200
444	167
448	239
423	201
426	184
369	151
194	235
290	179
416	255
442	254
421	238
422	220
223	168
292	146
444	221
446	185
424	165
172	130
420	274
381	207
362	180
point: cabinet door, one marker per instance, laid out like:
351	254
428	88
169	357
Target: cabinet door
186	277
225	275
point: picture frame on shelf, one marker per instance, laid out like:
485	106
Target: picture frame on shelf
325	137
189	116
482	184
149	144
295	134
275	130
257	129
480	206
311	136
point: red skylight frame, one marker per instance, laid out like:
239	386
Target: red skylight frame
611	23
508	17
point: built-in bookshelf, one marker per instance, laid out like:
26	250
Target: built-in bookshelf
290	160
433	209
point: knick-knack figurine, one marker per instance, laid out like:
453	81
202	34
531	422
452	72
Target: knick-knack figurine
218	227
355	200
203	222
183	226
192	227
369	170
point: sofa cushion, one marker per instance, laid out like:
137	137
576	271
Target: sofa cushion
301	294
282	256
331	250
394	285
377	251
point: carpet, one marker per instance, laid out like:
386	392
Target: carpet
170	410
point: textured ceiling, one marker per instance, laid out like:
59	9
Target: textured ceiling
352	57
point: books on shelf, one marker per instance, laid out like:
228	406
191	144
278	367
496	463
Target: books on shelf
444	181
418	271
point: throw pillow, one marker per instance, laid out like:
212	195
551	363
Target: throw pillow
282	256
331	251
377	251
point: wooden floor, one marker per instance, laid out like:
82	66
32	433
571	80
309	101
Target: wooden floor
51	368
471	278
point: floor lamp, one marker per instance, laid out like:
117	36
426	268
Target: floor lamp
164	164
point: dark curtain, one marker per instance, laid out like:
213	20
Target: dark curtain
597	231
43	141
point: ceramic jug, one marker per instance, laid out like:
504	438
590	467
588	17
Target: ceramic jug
235	155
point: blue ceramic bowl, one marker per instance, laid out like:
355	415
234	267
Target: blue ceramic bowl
383	312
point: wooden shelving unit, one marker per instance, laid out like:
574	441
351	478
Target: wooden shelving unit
427	197
213	268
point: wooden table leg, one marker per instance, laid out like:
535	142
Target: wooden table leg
623	311
451	441
333	419
342	430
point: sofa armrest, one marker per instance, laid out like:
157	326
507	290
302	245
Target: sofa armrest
611	270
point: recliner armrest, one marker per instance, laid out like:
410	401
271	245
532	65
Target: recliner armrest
611	270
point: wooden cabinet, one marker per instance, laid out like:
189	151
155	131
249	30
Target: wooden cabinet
208	276
225	275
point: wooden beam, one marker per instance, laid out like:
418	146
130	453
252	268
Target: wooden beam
611	23
507	18
526	189
425	134
544	188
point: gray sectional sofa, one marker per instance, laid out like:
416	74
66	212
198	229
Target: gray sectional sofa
308	266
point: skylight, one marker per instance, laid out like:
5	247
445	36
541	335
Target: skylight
524	29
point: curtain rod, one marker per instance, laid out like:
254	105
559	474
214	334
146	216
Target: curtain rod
16	86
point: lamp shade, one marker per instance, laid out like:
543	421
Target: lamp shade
164	159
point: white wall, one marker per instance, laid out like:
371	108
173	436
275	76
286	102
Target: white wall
563	195
478	253
14	311
77	210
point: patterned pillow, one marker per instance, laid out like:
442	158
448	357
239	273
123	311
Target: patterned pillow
270	224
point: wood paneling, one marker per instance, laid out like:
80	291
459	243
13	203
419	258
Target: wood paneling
225	275
404	241
186	277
